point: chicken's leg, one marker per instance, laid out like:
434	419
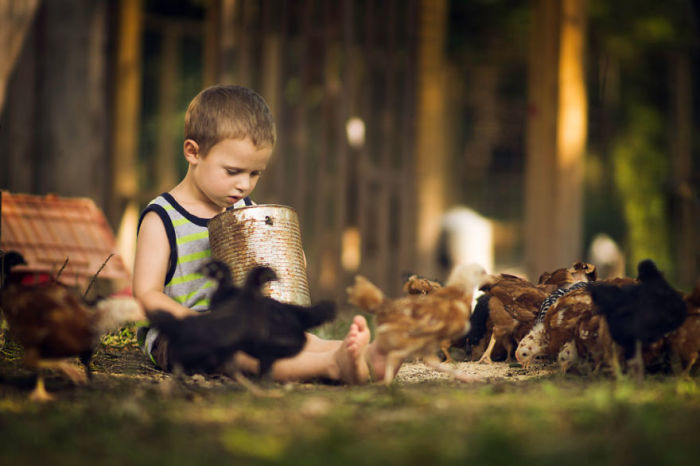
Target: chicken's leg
39	393
392	362
70	370
445	348
637	362
486	357
691	362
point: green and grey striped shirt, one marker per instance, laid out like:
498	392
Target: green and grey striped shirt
188	236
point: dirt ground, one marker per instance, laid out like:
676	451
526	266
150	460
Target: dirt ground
129	361
115	367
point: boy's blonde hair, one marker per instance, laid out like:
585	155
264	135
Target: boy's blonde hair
226	111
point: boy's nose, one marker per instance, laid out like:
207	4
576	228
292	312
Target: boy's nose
243	183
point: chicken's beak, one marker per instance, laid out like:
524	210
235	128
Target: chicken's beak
522	363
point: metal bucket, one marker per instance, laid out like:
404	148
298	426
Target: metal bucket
266	234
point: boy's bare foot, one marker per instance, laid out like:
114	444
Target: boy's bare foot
350	357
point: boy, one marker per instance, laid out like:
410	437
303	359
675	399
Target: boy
229	138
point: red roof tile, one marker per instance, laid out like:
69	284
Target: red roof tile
48	229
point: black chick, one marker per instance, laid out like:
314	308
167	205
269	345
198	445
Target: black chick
221	273
9	260
241	319
478	328
642	313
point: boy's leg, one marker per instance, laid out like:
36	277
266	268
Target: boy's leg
344	360
317	344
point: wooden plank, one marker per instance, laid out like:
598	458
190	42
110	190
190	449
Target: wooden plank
211	30
431	157
541	136
686	219
326	264
127	107
227	40
340	194
572	118
19	146
387	244
406	147
167	149
16	17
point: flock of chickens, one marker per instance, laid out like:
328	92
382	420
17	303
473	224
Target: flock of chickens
585	323
569	315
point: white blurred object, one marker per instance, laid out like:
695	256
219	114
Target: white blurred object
606	255
465	237
355	130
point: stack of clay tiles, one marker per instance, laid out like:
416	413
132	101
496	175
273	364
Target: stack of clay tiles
49	229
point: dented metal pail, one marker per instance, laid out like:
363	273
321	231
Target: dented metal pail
266	234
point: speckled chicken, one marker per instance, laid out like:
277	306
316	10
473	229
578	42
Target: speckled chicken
572	316
416	325
591	346
52	322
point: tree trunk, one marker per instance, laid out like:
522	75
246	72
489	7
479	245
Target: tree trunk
686	209
72	122
127	107
16	18
571	136
431	157
541	136
556	137
168	149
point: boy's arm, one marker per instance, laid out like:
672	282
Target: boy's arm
150	267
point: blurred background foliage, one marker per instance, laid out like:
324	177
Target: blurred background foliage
320	64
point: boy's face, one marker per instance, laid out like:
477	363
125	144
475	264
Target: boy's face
230	171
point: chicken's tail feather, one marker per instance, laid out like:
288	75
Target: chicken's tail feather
115	311
318	314
365	295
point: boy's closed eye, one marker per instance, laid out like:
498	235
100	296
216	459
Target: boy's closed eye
232	172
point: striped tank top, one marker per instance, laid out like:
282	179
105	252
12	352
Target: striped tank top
188	237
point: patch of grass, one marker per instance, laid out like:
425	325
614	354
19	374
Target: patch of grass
120	338
603	423
130	415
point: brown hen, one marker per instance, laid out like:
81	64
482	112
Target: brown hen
512	304
52	323
416	325
416	284
685	340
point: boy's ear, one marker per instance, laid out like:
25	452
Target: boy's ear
191	150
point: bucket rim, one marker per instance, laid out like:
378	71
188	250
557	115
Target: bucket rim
237	209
